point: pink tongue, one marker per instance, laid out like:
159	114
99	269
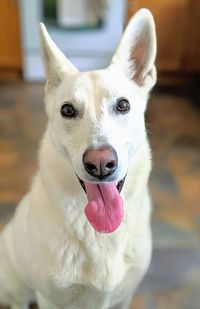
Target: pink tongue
105	208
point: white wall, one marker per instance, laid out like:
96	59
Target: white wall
88	49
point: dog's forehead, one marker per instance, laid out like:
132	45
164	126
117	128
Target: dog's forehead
96	89
98	84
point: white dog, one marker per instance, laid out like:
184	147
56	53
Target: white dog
76	241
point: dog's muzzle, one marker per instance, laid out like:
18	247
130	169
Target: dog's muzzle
105	207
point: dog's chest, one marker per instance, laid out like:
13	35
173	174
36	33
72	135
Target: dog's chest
100	263
78	295
96	270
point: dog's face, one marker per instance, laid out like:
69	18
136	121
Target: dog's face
97	110
96	118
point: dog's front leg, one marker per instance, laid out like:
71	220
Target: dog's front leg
82	303
19	306
124	304
43	303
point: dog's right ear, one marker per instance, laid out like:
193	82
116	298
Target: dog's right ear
55	62
136	52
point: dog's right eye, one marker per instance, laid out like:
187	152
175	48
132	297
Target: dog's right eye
68	111
123	105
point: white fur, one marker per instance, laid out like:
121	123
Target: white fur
49	252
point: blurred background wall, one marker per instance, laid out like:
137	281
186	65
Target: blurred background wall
88	32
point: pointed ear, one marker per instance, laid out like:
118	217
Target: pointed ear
55	62
137	49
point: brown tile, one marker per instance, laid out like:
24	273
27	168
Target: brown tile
138	303
184	298
190	192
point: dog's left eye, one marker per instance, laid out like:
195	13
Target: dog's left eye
68	111
123	105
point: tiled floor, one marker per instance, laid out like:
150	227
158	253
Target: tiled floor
173	280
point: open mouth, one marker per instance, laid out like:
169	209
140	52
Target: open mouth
119	185
105	207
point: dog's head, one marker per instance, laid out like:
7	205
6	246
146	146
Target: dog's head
96	119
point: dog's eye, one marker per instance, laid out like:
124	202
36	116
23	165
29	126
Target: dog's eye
123	105
68	111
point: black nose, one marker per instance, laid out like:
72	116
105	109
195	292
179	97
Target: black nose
100	162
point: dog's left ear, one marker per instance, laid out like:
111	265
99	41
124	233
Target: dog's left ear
137	50
55	62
